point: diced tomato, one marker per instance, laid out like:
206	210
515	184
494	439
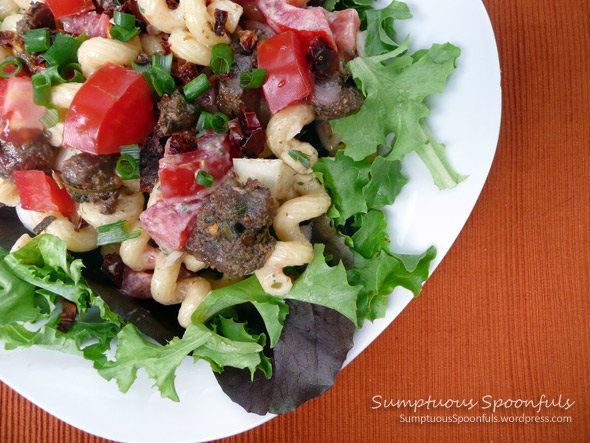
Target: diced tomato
345	25
288	80
308	23
39	192
170	224
90	22
113	108
19	115
178	172
64	8
137	284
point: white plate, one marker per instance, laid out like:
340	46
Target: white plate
466	118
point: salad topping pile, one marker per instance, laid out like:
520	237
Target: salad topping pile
229	159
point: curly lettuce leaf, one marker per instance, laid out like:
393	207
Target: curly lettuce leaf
381	35
395	85
17	297
160	362
326	286
31	279
371	236
44	262
357	186
273	310
381	274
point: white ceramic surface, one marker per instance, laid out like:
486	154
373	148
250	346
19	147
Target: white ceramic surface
466	118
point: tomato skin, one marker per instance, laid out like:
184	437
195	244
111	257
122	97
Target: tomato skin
39	192
64	8
308	23
19	115
113	108
288	79
178	172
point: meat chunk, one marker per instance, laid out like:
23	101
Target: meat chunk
176	114
231	97
92	178
38	16
330	99
31	155
149	161
232	230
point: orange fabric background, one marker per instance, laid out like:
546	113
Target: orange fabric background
507	313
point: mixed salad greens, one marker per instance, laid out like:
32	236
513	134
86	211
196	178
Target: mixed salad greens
251	338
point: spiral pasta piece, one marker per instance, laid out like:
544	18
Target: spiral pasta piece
82	240
272	277
8	193
97	51
26	4
185	46
161	16
312	202
63	95
281	131
7	7
128	209
137	253
195	290
9	23
200	22
165	287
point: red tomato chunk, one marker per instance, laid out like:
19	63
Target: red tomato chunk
178	173
39	192
113	108
288	79
19	115
63	8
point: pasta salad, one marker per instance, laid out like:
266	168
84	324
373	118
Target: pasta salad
226	162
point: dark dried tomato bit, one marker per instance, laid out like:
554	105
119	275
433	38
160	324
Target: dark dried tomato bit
247	134
324	59
220	21
68	315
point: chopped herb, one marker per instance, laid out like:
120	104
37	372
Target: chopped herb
301	157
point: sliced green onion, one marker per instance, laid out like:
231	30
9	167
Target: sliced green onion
203	178
41	89
72	73
145	69
221	58
164	61
37	40
10	66
115	233
124	20
254	79
204	121
127	167
301	157
131	150
196	87
123	34
163	81
50	118
64	50
217	122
